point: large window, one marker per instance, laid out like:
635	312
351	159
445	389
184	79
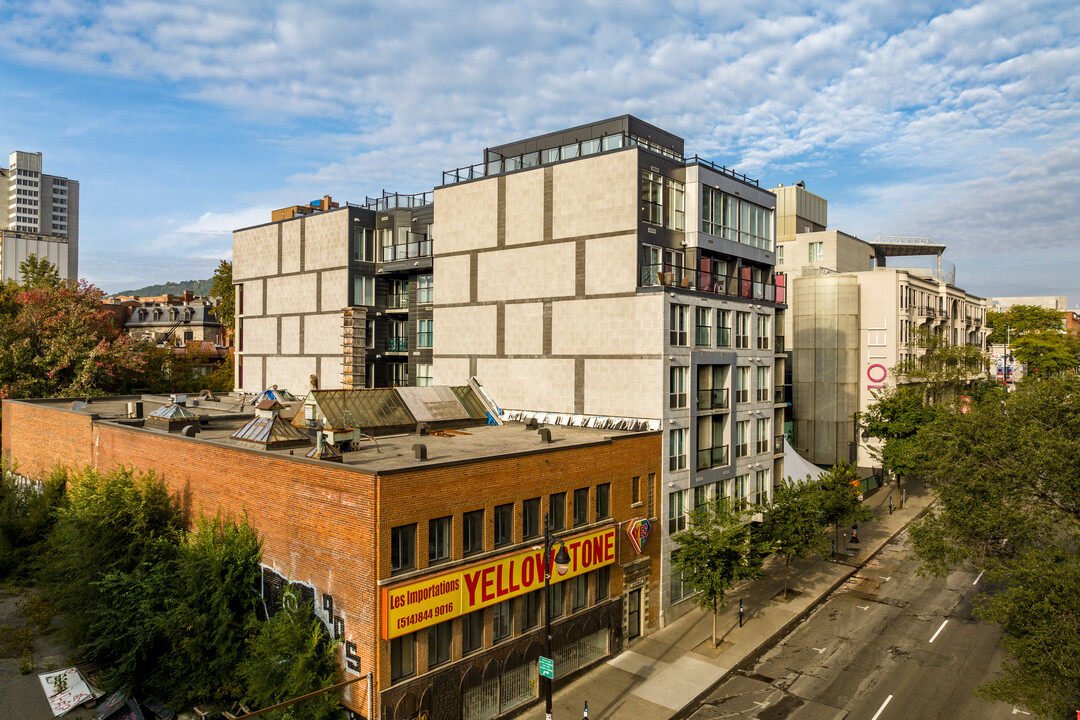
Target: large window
472	632
702	326
761	486
817	252
504	524
579	592
557	601
763	332
557	503
424	286
742	442
423	374
402	548
603	501
472	532
680	318
423	333
712	449
581	506
742	384
603	582
761	436
676	511
530	518
438	643
742	221
363	244
652	197
402	657
764	384
438	540
677	389
677	449
701	497
676	205
534	601
676	588
363	290
742	330
723	328
500	620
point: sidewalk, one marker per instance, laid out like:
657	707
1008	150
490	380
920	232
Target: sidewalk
667	670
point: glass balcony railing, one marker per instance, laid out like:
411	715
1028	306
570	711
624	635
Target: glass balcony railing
688	278
398	302
778	444
779	343
716	399
712	457
397	344
418	246
778	397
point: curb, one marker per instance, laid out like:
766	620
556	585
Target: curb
752	657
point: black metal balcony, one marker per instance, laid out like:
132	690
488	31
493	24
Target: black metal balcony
712	457
715	399
688	278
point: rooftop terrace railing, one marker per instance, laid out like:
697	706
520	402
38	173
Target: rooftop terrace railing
395	201
688	278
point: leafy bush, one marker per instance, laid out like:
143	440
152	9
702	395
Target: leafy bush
27	514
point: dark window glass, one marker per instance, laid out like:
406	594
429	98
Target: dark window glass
438	643
438	539
580	592
472	532
533	602
403	548
530	518
557	599
402	657
635	490
472	632
603	582
501	620
603	501
504	525
558	511
581	506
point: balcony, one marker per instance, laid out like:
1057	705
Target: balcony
778	445
398	302
716	399
397	344
779	346
712	457
417	246
688	278
778	396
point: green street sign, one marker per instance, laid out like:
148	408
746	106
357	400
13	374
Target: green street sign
547	668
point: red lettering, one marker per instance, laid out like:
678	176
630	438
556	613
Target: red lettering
573	548
514	587
528	571
598	549
485	593
609	547
586	554
471	581
500	570
870	373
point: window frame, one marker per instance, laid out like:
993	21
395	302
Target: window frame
530	518
557	511
425	332
679	320
503	525
603	501
403	546
676	451
581	506
471	521
435	534
472	632
678	379
502	626
676	501
397	670
437	642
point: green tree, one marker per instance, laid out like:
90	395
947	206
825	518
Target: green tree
895	417
717	551
222	288
27	515
939	369
792	523
1018	321
39	272
840	501
1046	352
1007	480
291	655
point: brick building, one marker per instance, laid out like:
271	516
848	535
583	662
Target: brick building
455	631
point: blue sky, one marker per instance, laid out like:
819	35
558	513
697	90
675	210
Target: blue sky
185	120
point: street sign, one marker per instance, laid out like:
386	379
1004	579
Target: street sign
547	668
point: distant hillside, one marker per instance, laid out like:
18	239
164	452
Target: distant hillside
199	287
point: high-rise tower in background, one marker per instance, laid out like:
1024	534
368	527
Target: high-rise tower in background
42	217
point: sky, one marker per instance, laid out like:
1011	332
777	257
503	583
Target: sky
185	120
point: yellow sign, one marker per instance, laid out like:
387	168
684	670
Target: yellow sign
420	604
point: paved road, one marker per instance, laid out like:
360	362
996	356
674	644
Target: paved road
887	645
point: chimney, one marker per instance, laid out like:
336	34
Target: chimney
188	296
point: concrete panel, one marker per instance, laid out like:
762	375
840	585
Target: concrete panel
290	335
633	388
452	279
253	374
613	326
326	240
466	216
531	272
290	373
291	294
524	333
595	195
611	265
539	384
323	334
524	208
253	297
255	252
450	371
464	330
260	335
290	246
335	290
333	367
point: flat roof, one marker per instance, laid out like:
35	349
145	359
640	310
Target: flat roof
900	246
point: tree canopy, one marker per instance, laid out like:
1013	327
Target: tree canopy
793	523
39	272
1007	478
940	369
222	288
1019	320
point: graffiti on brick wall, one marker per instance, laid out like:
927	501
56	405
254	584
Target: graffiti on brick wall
271	585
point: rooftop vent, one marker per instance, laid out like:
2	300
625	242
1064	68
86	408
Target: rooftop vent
180	400
419	452
421	428
545	435
531	424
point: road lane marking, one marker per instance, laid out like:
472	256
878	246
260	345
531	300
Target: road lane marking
886	579
762	705
882	708
939	631
819	650
978	579
863	607
1018	710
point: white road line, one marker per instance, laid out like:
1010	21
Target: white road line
819	650
978	579
939	631
880	709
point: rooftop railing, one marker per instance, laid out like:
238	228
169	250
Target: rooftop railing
394	201
688	278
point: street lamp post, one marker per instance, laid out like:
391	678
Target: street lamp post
562	564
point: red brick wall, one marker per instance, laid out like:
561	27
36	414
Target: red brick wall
41	438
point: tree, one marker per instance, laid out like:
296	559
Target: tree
1018	321
793	522
222	288
39	272
895	417
27	515
840	502
717	551
939	369
288	656
1046	352
1007	479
